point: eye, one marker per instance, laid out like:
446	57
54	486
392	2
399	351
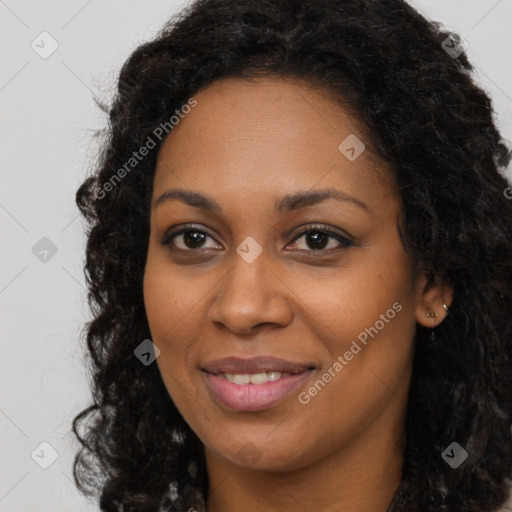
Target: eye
191	238
317	238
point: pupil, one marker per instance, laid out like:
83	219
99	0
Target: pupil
315	237
197	238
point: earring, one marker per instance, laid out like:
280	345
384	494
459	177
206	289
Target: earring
433	314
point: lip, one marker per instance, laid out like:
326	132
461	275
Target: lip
256	364
253	397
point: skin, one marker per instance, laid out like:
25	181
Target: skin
246	145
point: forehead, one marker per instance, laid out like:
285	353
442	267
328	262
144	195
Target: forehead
253	139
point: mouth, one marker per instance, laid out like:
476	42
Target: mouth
254	384
257	379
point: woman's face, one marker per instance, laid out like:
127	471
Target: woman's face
339	304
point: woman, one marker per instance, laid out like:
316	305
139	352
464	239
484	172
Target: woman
300	267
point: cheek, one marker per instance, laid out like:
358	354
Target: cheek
367	363
367	326
170	297
171	322
170	315
372	313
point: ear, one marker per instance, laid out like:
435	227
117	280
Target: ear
433	298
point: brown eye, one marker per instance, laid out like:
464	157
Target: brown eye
190	238
318	239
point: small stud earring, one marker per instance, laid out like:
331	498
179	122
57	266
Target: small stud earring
445	307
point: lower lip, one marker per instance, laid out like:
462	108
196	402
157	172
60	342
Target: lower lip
254	397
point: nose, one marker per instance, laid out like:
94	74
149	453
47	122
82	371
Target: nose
251	295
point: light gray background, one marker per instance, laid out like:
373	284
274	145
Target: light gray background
47	118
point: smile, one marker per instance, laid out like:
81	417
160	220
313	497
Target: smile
253	392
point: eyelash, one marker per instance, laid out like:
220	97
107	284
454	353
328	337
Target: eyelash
345	241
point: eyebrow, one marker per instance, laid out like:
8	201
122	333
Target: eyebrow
287	203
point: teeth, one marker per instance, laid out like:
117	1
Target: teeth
253	378
241	379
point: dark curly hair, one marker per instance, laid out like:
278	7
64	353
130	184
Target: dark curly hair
431	121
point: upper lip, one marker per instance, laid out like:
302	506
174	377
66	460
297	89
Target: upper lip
257	364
